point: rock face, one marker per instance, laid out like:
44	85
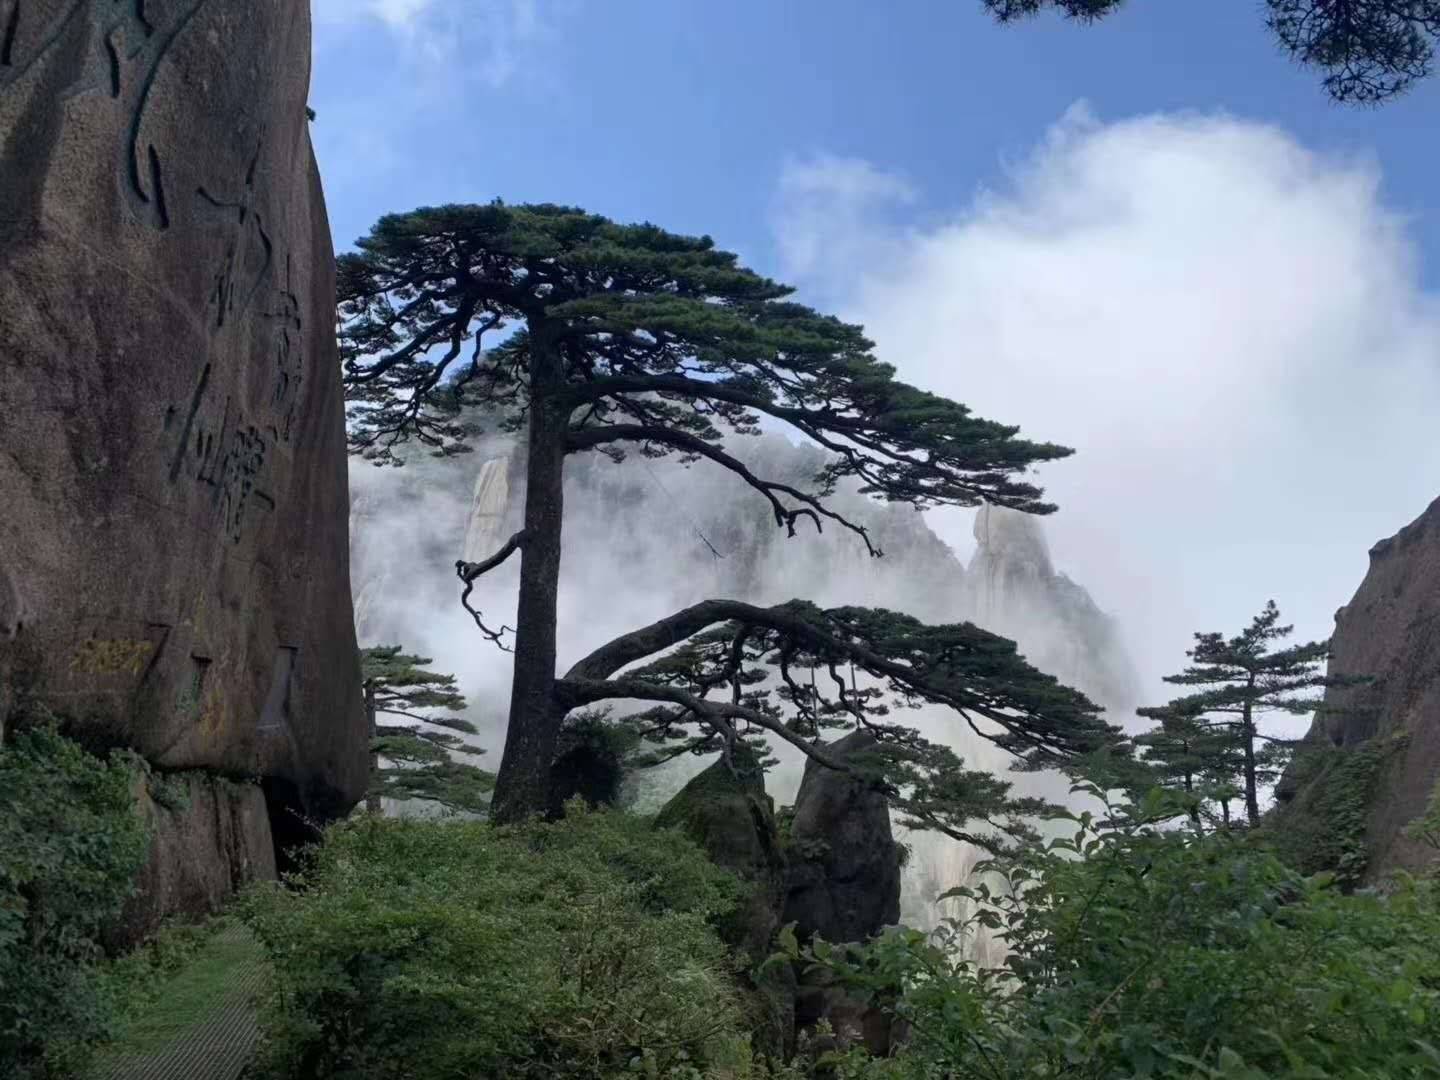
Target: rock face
843	881
725	810
1012	588
173	541
1390	631
212	840
843	884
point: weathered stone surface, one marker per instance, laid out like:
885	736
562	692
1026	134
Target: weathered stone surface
843	884
212	840
173	540
1390	631
1012	588
843	878
725	810
594	773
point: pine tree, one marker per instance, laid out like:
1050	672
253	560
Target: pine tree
1368	50
1186	754
611	336
421	763
1242	678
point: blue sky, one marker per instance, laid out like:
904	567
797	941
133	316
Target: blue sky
683	112
1152	239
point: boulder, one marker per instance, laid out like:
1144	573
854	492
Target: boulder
843	884
209	837
843	881
726	811
587	769
173	539
1390	632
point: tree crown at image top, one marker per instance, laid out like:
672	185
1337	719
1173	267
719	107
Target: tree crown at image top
1369	50
643	337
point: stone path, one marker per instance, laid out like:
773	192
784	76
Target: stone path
219	1043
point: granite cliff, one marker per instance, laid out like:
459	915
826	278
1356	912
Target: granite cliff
173	545
1389	632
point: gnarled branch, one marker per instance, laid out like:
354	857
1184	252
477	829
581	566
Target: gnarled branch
785	516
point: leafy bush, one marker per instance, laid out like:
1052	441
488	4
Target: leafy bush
1324	828
71	844
1141	951
427	949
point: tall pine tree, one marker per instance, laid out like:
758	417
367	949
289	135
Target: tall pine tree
1368	51
1242	678
608	337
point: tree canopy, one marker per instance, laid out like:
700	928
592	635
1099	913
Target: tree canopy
421	762
1240	678
794	671
1368	51
607	337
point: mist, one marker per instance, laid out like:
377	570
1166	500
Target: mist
1228	327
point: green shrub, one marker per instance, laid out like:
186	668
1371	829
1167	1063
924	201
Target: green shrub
71	844
1325	827
434	949
1140	951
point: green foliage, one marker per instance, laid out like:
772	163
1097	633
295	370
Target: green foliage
419	763
641	311
1369	51
1426	828
1140	950
435	949
1326	831
800	673
71	843
1210	742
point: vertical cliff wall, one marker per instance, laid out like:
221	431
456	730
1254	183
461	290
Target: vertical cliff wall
1390	632
173	497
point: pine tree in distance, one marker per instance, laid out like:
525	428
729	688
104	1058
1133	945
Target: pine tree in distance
1240	679
421	763
1188	755
608	338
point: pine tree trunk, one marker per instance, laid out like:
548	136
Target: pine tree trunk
523	780
1194	810
1252	798
372	798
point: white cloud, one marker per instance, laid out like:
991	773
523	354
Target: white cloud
1227	327
495	35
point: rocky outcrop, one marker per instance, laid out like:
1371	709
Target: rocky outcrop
725	810
842	884
1390	632
209	838
1012	588
843	881
173	543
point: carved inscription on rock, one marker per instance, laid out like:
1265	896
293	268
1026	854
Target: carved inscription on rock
126	42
